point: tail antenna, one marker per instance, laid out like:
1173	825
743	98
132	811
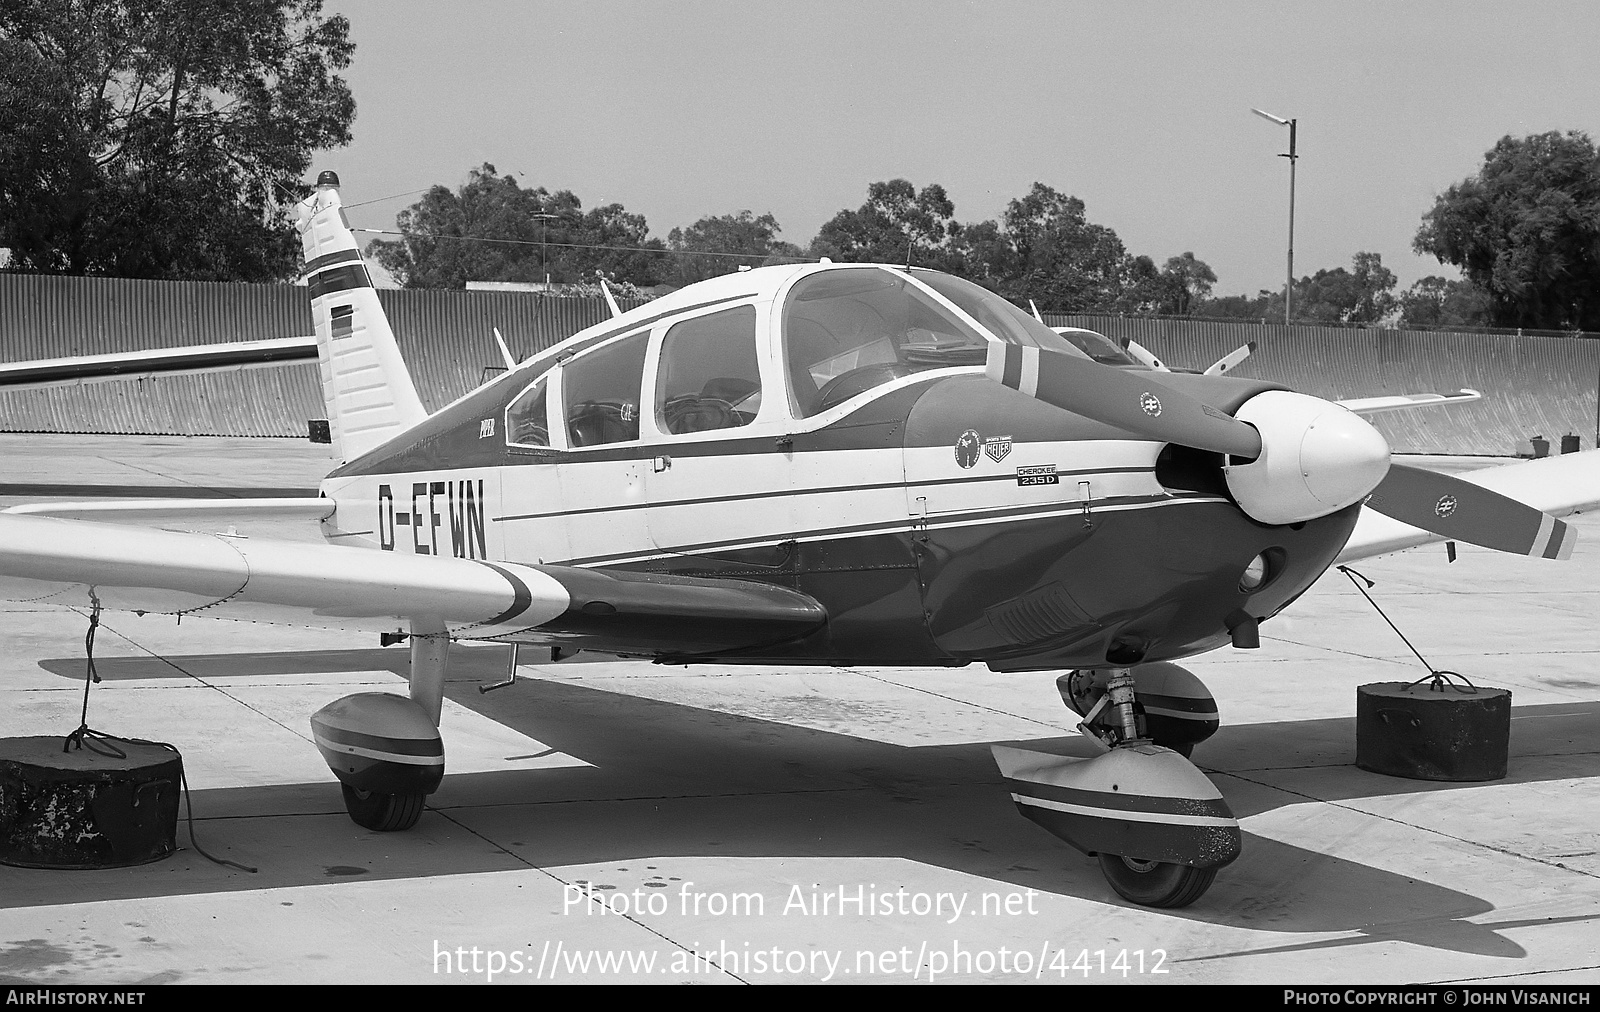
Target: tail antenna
505	352
611	301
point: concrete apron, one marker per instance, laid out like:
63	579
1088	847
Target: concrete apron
609	820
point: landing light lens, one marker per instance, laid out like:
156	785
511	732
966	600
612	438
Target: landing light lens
1254	575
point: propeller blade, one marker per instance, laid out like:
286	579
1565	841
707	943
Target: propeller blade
1142	354
1461	511
1127	400
1231	360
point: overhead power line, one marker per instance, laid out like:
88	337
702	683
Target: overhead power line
573	245
392	196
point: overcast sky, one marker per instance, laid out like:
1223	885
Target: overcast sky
1142	110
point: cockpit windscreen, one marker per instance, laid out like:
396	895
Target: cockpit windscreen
849	330
1013	326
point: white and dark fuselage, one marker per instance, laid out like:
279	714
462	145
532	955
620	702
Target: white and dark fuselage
937	516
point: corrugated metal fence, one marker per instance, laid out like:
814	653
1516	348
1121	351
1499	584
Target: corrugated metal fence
1547	386
446	337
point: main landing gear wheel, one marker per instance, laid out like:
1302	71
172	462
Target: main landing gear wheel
385	813
1155	883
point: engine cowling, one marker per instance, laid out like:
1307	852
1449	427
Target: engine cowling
1316	459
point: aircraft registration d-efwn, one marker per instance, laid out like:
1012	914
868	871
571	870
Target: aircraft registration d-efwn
811	463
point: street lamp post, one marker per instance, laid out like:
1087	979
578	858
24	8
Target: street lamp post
1288	288
542	218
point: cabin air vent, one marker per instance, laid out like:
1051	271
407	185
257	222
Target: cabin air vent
1038	615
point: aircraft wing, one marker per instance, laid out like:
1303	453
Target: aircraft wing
76	563
1559	486
1400	402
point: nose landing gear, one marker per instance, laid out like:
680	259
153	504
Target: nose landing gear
1171	706
1159	826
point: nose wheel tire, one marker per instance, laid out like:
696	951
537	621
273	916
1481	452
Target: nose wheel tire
1155	883
385	813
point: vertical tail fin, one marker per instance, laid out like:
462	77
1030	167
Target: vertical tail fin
365	385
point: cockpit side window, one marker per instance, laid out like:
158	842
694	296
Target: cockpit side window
846	331
709	377
602	392
528	417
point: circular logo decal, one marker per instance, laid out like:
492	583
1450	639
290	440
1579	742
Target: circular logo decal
1445	506
968	448
1150	404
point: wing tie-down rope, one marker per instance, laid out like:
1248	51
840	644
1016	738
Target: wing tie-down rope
102	744
1439	678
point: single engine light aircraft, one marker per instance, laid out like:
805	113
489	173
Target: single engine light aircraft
812	463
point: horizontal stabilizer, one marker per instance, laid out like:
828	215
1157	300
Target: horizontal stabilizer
206	515
138	365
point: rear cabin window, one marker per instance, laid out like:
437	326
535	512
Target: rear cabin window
528	417
602	393
708	377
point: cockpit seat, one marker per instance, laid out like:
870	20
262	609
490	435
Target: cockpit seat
595	423
732	389
846	385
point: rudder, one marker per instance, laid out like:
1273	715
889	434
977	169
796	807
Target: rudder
365	384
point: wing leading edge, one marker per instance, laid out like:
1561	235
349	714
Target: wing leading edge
1402	402
76	563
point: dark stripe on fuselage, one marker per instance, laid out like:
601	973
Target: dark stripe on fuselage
902	524
825	490
344	256
521	596
1176	586
339	279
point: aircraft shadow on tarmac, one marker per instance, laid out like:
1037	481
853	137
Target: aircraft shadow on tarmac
673	780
